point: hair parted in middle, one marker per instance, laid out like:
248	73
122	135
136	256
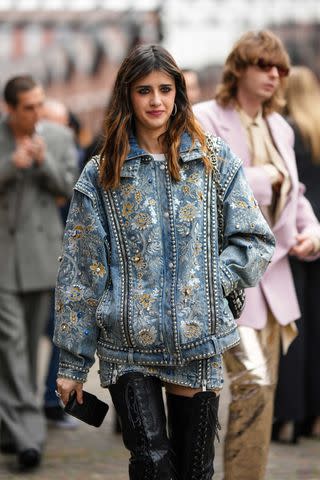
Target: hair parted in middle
247	51
120	123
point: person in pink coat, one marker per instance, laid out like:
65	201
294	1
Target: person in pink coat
244	115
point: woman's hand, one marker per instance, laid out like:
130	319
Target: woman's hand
65	386
304	246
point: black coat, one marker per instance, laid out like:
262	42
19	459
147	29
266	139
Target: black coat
298	391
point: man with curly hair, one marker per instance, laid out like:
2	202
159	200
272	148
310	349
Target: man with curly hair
244	115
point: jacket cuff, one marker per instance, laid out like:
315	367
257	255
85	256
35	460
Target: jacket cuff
227	282
79	374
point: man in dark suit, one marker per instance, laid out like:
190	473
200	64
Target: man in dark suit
37	165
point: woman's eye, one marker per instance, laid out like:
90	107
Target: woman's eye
166	89
143	91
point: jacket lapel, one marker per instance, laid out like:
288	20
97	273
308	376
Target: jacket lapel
232	131
282	146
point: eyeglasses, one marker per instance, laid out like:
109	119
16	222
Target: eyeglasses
267	66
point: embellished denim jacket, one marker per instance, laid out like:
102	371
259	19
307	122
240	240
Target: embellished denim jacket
141	280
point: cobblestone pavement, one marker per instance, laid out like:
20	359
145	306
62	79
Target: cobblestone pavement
89	453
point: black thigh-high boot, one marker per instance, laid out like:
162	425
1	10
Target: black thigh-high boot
139	404
193	424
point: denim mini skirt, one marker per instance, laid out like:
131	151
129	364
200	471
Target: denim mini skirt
206	373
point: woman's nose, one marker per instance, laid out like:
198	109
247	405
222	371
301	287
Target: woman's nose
155	100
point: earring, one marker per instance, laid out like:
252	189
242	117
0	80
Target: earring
174	111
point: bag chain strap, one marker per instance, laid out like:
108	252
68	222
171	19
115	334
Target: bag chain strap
216	178
236	298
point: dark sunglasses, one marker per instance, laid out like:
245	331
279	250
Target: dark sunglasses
267	66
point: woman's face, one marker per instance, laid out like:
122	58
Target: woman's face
152	100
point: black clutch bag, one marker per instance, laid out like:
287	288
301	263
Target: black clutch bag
91	411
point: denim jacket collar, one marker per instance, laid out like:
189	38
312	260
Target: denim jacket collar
137	154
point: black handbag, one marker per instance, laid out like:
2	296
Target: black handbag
236	298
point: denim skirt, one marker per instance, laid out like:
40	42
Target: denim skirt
206	373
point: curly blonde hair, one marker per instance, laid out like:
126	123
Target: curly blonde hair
247	51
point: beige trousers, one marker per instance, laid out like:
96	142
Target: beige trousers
252	368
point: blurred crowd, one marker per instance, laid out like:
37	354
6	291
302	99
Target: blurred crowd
42	154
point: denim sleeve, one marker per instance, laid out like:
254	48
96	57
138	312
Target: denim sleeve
248	242
82	279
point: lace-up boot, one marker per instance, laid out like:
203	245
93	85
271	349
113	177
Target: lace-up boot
193	425
139	404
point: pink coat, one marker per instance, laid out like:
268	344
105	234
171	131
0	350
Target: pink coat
276	289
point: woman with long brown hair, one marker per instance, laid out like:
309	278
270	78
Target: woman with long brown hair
297	402
145	274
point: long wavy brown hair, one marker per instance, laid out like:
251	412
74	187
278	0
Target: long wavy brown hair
247	51
120	120
303	106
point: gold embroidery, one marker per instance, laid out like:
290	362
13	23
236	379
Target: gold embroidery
59	306
186	291
142	220
98	269
191	329
75	294
139	262
147	336
127	189
92	302
138	196
188	212
127	209
197	248
241	204
146	300
194	178
78	231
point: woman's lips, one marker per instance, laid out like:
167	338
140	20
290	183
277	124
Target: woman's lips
155	113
